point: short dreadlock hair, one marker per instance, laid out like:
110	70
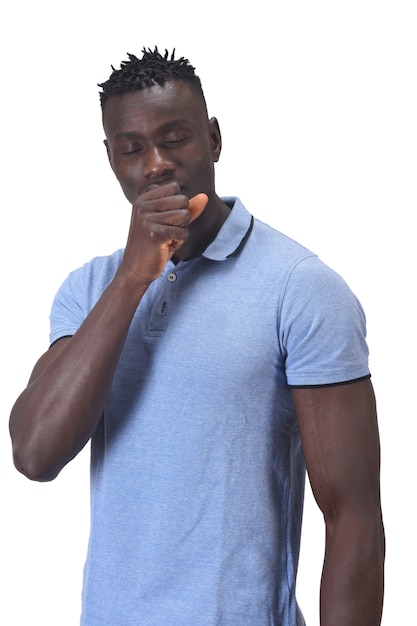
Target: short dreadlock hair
152	69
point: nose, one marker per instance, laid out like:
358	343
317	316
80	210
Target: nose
157	163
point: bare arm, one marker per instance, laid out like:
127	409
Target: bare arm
340	440
59	410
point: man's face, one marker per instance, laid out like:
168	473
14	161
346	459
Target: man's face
161	134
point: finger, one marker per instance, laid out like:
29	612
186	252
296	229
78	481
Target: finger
158	200
159	191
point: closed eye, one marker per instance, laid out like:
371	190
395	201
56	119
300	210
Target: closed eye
170	141
175	137
132	149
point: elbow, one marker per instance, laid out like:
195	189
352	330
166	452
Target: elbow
32	468
32	461
31	452
362	531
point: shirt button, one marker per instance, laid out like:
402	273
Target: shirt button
172	277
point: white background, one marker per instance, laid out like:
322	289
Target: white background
317	104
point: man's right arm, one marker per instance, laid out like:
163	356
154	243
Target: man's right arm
60	409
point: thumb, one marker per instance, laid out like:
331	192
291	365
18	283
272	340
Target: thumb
197	204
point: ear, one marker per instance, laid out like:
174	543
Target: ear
106	143
215	138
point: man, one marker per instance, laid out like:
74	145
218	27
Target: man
208	362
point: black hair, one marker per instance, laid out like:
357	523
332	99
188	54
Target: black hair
152	69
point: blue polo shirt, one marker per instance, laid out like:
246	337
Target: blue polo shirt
197	473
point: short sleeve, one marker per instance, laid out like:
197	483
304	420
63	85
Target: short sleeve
67	313
79	293
322	327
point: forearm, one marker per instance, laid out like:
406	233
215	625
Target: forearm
353	573
59	411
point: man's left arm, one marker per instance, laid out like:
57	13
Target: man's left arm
339	432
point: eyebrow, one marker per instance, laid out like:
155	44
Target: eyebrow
132	134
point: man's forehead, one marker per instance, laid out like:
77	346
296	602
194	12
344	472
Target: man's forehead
173	100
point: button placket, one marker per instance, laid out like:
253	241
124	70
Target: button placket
163	304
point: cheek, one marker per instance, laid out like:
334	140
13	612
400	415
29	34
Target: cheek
203	171
129	193
128	178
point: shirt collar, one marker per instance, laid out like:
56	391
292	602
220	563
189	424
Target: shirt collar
233	232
